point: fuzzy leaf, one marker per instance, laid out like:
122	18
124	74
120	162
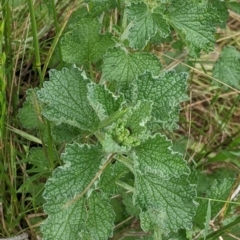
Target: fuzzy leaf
83	43
227	67
156	156
75	222
66	223
195	22
162	189
100	219
82	162
138	117
222	12
109	177
66	98
103	101
71	221
147	21
166	92
123	67
166	204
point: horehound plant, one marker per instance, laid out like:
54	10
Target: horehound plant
111	105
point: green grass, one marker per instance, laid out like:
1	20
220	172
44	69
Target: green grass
209	132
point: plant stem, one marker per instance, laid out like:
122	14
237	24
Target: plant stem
91	72
35	40
57	29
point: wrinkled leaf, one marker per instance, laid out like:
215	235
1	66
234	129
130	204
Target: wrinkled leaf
195	22
166	204
147	22
66	101
123	67
82	218
103	101
155	156
166	92
83	43
227	67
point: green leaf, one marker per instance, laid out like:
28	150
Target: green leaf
129	130
65	133
30	114
38	158
131	208
123	67
195	22
99	224
156	156
166	92
147	22
162	188
82	162
66	101
166	203
79	218
114	117
219	190
227	67
104	102
109	177
137	118
222	12
83	43
66	223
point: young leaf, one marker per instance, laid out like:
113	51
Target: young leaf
123	67
147	21
195	22
166	204
227	67
137	118
66	101
155	156
83	43
166	92
103	101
